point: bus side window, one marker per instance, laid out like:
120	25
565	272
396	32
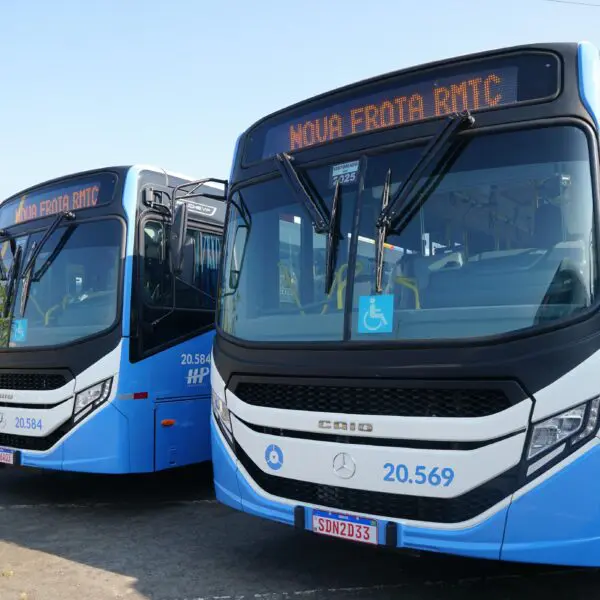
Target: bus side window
195	286
155	276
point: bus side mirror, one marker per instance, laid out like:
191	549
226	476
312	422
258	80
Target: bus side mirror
178	236
240	237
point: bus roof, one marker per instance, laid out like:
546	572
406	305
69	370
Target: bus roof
415	68
118	168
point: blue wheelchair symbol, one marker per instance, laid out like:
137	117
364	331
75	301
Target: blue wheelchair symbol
18	330
274	457
376	314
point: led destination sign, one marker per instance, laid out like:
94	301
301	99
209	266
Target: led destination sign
87	193
403	100
44	205
396	107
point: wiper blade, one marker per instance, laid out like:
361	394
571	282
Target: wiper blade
64	238
333	237
381	233
36	251
318	214
401	204
321	220
11	284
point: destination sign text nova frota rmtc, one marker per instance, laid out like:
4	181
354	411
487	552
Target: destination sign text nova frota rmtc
408	104
66	199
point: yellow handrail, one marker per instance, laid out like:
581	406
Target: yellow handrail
411	285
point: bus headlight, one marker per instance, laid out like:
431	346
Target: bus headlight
91	397
221	412
573	425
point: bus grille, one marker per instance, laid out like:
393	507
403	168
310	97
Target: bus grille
31	381
447	401
394	506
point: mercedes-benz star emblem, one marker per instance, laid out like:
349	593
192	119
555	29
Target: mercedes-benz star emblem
344	465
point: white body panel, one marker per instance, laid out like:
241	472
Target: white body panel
578	385
52	418
312	460
308	460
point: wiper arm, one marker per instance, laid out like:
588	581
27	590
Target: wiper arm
36	251
333	238
381	232
64	238
319	216
11	284
392	211
321	220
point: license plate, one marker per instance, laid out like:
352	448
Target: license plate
343	526
7	457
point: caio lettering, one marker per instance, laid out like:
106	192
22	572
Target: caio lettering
345	426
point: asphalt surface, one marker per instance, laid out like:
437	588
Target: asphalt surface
164	537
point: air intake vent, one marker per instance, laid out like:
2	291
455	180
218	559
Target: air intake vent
391	399
31	381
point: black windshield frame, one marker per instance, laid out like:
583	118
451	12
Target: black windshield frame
38	229
423	343
534	91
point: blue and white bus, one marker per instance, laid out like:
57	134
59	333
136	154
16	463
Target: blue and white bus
417	365
108	285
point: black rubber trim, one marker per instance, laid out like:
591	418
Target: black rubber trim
391	534
299	521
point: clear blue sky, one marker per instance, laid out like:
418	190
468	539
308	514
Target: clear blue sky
89	83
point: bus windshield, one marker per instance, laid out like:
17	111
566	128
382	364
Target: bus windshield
73	288
503	241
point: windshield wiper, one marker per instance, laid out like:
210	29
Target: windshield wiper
16	265
64	238
318	214
382	233
333	238
403	202
36	251
322	222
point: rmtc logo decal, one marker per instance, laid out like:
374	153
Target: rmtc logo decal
196	376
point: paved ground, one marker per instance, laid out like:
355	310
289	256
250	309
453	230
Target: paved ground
66	537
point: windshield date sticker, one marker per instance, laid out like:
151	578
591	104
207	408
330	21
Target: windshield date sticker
18	331
345	173
376	314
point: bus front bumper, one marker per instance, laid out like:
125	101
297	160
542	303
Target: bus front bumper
100	444
556	521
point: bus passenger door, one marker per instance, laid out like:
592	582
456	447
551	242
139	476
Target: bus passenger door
176	310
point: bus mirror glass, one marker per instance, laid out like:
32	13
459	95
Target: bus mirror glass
234	279
178	236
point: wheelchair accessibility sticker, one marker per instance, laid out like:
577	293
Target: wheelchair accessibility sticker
18	332
376	314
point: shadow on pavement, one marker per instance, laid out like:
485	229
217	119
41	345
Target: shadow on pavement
32	486
200	549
